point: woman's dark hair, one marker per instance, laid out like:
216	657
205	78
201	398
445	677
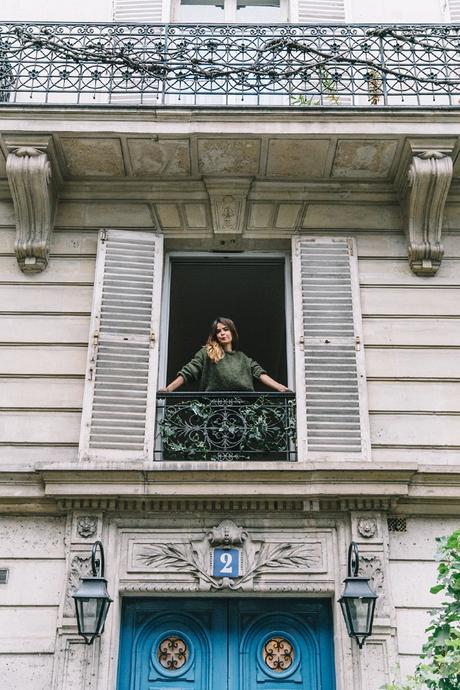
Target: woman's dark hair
213	347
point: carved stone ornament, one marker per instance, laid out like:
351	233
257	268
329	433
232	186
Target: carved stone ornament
227	534
258	557
367	527
429	178
371	565
29	176
80	566
86	526
228	205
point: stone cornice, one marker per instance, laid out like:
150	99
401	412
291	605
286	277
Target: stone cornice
420	114
307	488
33	188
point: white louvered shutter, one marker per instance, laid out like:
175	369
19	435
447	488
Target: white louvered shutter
321	11
121	380
138	11
454	7
332	413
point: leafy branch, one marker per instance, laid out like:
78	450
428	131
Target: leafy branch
178	556
439	668
274	555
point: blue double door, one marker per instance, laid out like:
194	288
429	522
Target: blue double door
226	644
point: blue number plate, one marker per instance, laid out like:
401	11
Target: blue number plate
226	563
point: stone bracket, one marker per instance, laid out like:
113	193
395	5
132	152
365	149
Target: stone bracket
34	191
228	200
423	183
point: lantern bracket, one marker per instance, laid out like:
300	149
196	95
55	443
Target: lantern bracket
353	559
97	564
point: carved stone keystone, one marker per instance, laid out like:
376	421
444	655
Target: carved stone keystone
228	200
34	197
424	183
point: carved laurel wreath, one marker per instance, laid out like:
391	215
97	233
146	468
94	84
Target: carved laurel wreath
192	556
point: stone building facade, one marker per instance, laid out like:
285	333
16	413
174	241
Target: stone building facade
368	198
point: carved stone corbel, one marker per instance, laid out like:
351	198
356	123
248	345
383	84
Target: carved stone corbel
34	197
228	198
424	184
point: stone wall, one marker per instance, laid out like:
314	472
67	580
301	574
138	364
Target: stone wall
411	332
32	550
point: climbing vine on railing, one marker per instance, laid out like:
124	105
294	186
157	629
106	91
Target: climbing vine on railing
309	62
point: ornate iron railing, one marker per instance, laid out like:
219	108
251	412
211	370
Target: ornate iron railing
283	64
225	426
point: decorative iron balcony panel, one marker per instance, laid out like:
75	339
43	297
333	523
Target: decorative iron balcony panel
225	426
238	65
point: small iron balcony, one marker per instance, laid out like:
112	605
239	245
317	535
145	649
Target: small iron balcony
227	426
237	65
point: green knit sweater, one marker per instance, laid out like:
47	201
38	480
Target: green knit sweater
234	372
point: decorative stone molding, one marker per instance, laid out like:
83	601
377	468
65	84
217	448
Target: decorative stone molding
424	180
29	173
80	566
86	526
257	558
126	505
227	534
367	527
371	565
228	199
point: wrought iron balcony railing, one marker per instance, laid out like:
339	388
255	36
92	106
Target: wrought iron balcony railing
262	65
225	426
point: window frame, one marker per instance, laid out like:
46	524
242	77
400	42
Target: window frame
230	13
165	303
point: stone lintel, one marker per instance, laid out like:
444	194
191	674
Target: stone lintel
32	180
423	180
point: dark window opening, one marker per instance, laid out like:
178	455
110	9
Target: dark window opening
249	291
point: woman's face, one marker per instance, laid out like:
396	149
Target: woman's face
223	334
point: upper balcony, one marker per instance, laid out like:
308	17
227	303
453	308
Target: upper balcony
330	66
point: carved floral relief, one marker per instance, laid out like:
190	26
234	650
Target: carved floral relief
80	566
258	557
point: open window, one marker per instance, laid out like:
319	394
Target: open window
251	290
322	327
254	291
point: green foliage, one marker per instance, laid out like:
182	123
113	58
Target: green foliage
328	89
439	668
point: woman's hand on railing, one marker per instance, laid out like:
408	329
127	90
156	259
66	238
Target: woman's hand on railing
177	383
274	385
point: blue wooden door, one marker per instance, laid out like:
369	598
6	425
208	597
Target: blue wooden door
226	644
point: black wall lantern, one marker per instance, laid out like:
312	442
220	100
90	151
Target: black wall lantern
358	600
92	600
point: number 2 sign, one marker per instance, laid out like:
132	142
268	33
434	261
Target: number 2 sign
226	563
